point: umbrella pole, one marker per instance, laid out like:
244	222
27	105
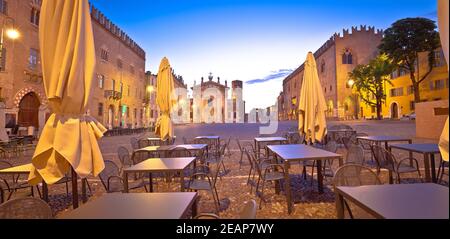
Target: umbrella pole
74	189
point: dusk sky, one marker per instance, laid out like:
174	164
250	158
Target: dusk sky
258	42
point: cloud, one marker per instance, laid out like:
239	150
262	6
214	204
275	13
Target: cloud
272	76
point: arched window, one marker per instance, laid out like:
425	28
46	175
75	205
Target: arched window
322	66
347	57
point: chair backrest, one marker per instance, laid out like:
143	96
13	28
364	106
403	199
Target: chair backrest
249	157
355	175
124	156
111	169
239	145
249	210
383	158
143	143
216	172
331	146
134	143
25	208
179	152
355	155
4	165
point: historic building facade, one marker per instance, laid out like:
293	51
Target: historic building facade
400	95
118	92
335	59
212	102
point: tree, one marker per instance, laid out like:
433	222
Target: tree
404	40
370	80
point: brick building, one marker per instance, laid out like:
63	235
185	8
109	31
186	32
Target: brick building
118	92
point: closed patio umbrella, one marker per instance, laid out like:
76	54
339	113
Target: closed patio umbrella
443	30
164	127
312	106
69	138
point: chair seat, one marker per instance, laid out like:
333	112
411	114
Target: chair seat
198	185
274	176
404	168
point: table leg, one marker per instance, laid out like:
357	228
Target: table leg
386	146
433	169
411	161
150	178
74	189
339	205
45	191
182	180
319	175
83	191
288	187
426	162
391	177
257	149
125	182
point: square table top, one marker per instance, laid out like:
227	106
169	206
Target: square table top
135	206
270	139
158	139
293	152
341	130
401	201
160	165
208	137
384	138
170	147
418	148
21	169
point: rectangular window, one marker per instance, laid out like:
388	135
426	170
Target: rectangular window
4	7
439	59
104	55
119	63
101	81
33	59
100	109
410	90
34	16
121	87
373	109
132	70
439	84
113	85
3	60
412	105
129	91
396	92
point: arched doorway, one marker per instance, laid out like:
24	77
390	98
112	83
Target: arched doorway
29	110
394	111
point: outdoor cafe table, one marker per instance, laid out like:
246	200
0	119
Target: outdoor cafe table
260	140
428	151
167	148
397	201
26	170
385	139
211	138
336	133
159	165
137	206
154	141
297	153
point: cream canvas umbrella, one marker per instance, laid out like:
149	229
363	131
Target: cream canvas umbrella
69	138
164	127
312	107
443	6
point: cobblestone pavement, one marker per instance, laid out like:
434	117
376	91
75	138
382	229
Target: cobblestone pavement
232	187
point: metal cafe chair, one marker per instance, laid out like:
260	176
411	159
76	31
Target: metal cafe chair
25	208
112	180
248	211
354	175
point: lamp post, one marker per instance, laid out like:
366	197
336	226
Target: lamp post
11	33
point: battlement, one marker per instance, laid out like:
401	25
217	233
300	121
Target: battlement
100	18
363	29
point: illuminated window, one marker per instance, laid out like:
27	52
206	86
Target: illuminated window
101	81
33	59
34	17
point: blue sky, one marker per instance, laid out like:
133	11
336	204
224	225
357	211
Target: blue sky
256	41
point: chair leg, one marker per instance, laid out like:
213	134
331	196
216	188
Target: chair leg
240	160
261	195
312	174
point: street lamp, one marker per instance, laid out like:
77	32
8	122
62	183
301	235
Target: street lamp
11	33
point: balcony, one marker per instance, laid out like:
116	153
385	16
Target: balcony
113	95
